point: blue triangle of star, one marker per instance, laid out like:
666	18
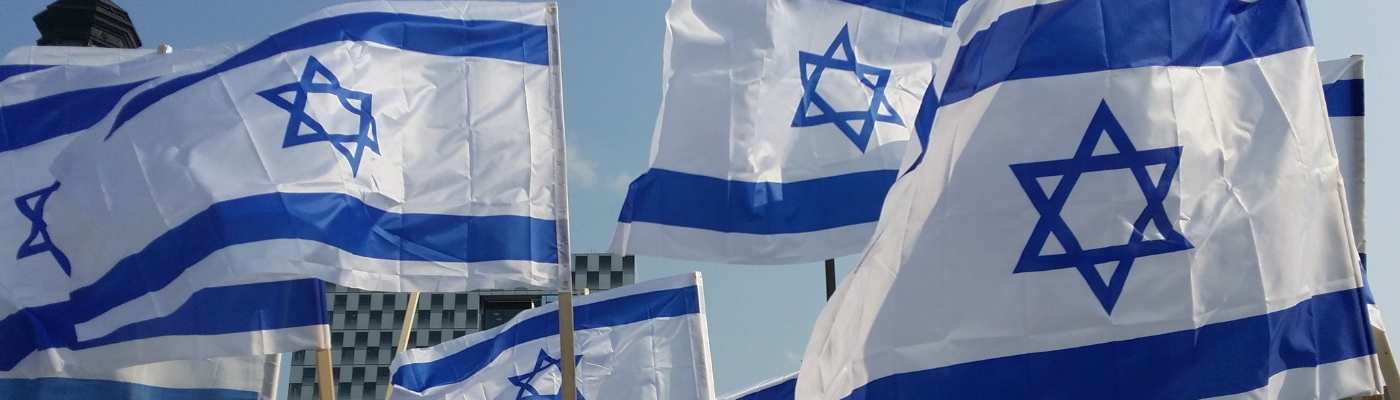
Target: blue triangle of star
38	241
1050	206
543	363
813	66
357	103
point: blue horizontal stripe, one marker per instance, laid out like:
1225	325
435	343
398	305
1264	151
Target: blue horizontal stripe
937	12
231	309
7	71
764	208
1215	360
211	311
504	40
32	329
1080	36
75	389
1346	98
32	122
608	313
785	390
333	219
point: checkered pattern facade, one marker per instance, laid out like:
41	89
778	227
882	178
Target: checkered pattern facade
365	326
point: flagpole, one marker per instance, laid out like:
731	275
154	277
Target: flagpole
1388	370
569	387
410	311
325	377
830	277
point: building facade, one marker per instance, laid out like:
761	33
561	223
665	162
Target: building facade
365	325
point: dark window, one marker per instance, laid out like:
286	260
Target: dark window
497	311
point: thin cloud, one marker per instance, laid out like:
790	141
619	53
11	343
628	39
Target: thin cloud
582	172
619	183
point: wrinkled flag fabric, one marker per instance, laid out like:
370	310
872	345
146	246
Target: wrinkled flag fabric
1343	84
41	108
389	146
782	125
230	378
1119	199
642	341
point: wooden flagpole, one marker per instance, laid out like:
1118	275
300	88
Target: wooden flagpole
568	388
410	311
1388	370
325	376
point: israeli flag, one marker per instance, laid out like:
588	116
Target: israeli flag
232	378
780	388
645	341
1119	199
64	90
386	146
1343	84
782	126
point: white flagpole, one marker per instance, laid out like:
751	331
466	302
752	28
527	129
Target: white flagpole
410	311
568	388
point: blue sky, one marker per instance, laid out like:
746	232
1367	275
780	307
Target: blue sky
760	317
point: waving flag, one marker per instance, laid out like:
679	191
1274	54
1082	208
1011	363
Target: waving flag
780	388
1343	85
383	146
782	126
1119	199
39	114
233	378
642	341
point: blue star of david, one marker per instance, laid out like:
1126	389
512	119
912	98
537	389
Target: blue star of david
1050	206
813	65
542	363
38	229
357	103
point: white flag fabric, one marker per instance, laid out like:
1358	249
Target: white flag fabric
42	107
781	128
1343	84
780	388
1119	199
390	146
643	341
232	378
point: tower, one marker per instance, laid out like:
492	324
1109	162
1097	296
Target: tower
86	23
